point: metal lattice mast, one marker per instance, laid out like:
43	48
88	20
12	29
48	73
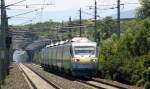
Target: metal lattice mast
118	16
95	18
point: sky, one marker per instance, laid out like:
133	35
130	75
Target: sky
61	10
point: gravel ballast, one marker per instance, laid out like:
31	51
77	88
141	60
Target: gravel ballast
63	83
15	80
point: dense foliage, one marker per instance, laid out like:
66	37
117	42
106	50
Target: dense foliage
144	10
127	59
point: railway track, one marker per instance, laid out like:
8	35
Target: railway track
91	84
98	85
115	84
34	80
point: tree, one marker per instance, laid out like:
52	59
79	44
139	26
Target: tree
124	59
144	10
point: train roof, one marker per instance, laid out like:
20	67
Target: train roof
75	41
62	42
56	44
84	44
80	39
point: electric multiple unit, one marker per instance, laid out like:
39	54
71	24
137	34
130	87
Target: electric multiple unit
77	57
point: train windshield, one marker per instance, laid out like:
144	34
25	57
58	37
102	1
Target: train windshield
84	50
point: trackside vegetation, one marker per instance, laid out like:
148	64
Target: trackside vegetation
127	59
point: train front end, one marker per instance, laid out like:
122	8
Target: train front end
84	61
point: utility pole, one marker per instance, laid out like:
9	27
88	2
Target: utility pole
95	18
80	22
118	17
3	48
57	34
62	24
70	30
4	44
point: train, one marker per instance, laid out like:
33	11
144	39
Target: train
77	57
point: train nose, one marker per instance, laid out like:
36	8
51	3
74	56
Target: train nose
84	67
84	63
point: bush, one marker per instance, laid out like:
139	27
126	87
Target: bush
147	85
146	75
140	83
126	59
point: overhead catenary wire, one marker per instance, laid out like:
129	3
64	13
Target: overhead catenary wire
14	3
107	5
87	13
21	18
34	4
23	13
26	22
42	8
72	27
27	7
110	7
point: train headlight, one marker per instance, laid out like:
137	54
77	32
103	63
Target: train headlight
93	60
76	60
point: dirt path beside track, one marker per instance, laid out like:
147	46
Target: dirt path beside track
15	80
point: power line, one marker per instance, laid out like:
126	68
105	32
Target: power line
87	13
23	13
26	22
84	26
35	4
131	3
111	8
107	5
16	3
21	18
71	27
28	6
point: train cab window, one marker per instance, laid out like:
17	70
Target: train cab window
85	50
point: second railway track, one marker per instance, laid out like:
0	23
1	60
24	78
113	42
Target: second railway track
36	81
76	83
